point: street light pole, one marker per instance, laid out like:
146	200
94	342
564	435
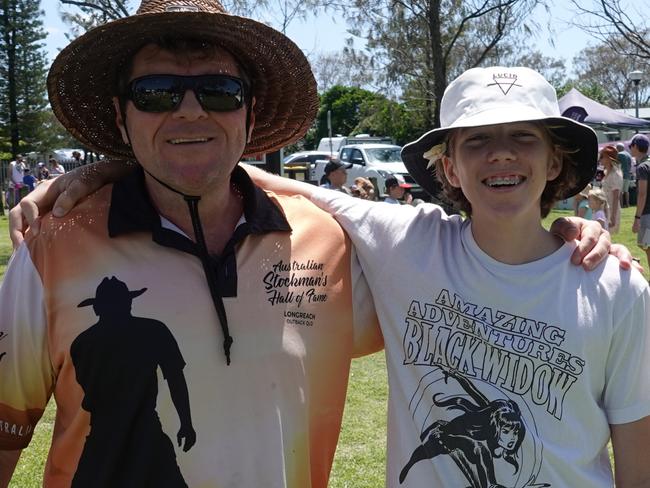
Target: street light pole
635	76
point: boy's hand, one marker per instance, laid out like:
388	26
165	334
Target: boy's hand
594	243
61	194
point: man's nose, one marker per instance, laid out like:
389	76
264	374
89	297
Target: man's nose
190	107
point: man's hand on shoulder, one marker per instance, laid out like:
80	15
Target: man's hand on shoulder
594	243
61	194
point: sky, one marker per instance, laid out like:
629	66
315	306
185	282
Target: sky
325	33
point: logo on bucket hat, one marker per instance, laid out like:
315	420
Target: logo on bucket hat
505	81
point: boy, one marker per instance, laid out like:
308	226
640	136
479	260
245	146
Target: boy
507	365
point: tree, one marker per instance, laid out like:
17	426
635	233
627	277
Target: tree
622	28
91	13
423	43
601	66
346	67
345	104
22	74
384	117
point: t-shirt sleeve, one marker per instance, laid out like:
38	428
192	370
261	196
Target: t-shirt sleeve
26	373
627	376
642	172
170	357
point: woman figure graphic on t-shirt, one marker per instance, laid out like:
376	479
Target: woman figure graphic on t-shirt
484	431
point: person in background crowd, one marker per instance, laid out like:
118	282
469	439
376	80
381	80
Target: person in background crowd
56	168
363	188
625	162
581	203
76	159
395	189
29	180
599	206
17	169
43	172
641	226
335	176
612	185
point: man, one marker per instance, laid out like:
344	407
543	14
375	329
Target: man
17	167
254	305
76	159
625	160
641	226
336	175
395	188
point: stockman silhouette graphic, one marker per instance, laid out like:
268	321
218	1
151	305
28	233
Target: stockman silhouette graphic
116	362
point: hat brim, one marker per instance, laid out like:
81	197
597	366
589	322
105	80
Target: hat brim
91	301
81	79
578	136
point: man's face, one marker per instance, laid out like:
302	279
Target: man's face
338	177
636	153
189	148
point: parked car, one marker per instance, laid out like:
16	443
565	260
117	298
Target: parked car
303	157
375	162
299	166
333	145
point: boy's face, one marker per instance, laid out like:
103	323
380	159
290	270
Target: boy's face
502	169
396	192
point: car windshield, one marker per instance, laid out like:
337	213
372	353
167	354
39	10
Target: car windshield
384	155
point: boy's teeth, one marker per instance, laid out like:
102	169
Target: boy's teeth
503	181
185	141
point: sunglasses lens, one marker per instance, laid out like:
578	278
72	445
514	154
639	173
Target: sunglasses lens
163	93
220	93
155	93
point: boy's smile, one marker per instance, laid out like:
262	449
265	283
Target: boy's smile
502	169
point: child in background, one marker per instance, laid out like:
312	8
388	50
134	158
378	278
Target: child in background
29	180
581	203
599	207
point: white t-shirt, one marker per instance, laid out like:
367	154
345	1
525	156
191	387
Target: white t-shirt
499	375
17	172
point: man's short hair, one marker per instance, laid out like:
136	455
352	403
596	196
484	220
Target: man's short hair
620	146
641	142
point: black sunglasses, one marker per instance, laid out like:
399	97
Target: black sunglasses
164	93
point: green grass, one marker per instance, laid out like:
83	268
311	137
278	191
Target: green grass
361	454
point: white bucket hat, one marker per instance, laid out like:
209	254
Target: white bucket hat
500	95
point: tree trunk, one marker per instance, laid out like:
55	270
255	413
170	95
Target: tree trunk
10	45
439	69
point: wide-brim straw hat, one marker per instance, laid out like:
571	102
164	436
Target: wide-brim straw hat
81	81
500	95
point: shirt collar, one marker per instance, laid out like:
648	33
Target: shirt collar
132	211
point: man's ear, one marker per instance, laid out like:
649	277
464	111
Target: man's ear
450	171
119	121
251	120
